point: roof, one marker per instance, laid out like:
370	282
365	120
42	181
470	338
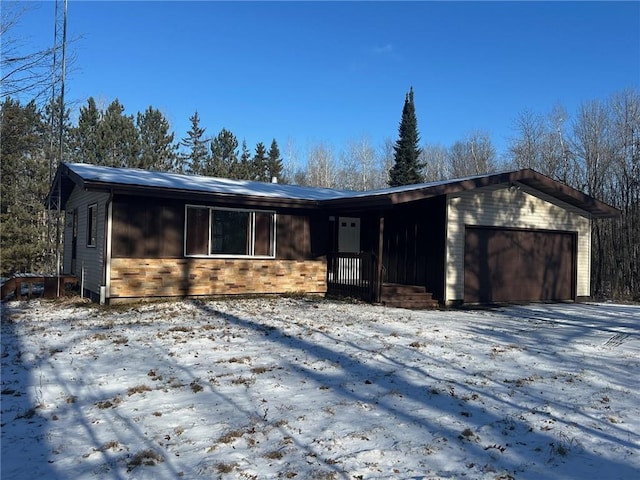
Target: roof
165	184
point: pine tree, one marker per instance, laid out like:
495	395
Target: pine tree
157	150
224	156
245	167
197	145
406	168
85	137
260	166
24	178
274	163
118	138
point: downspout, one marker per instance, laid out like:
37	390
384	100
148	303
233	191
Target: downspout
104	297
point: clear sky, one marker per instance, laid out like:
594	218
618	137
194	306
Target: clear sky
310	72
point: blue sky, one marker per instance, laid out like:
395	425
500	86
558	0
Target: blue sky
311	72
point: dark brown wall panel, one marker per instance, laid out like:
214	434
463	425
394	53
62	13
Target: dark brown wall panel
146	228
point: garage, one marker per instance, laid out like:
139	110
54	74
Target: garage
518	265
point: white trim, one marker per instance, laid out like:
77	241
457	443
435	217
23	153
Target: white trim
107	253
92	223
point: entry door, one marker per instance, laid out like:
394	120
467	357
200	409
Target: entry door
348	235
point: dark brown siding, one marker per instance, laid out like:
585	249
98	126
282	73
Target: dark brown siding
147	228
504	265
414	239
293	239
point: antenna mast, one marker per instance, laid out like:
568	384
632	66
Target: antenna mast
58	72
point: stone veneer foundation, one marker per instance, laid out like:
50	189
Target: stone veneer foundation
138	278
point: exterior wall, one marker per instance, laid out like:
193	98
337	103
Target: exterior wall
498	206
133	278
88	259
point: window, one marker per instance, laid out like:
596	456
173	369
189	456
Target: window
229	232
92	225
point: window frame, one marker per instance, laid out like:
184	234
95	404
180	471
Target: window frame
251	232
92	225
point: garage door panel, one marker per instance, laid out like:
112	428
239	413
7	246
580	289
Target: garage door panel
503	265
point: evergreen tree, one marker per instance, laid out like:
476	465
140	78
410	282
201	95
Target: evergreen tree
274	163
406	168
245	167
85	137
197	145
260	164
157	150
118	139
24	178
224	156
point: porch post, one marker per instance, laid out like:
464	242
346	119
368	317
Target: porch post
378	291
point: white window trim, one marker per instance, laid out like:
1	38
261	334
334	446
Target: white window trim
90	224
252	212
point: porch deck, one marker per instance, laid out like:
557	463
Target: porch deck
52	285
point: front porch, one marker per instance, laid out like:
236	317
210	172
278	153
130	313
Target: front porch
356	275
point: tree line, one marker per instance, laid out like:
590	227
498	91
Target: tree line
597	151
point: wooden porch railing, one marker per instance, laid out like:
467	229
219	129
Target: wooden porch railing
352	275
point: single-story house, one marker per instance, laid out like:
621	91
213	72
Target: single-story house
515	236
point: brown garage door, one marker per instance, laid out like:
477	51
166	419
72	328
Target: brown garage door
505	265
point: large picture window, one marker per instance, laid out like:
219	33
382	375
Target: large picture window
229	232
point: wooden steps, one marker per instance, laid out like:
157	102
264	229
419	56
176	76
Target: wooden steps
407	296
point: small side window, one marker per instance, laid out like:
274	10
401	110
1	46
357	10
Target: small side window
92	225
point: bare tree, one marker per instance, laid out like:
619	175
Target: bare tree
435	161
358	166
473	156
27	71
321	168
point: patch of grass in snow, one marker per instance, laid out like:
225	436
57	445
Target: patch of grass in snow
226	467
147	458
195	387
120	340
227	438
274	455
246	381
109	403
259	370
181	328
138	389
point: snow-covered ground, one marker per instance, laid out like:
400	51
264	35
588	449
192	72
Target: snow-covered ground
319	389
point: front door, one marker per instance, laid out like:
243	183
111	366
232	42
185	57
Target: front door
348	235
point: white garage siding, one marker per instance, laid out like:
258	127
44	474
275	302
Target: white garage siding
521	207
89	259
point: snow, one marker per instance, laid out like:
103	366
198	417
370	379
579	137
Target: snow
198	183
149	178
314	388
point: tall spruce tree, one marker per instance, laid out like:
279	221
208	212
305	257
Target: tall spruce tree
197	148
260	164
157	150
245	167
274	163
406	167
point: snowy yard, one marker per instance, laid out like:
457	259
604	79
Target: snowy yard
318	389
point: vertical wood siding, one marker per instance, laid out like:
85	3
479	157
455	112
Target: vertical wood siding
524	208
88	258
